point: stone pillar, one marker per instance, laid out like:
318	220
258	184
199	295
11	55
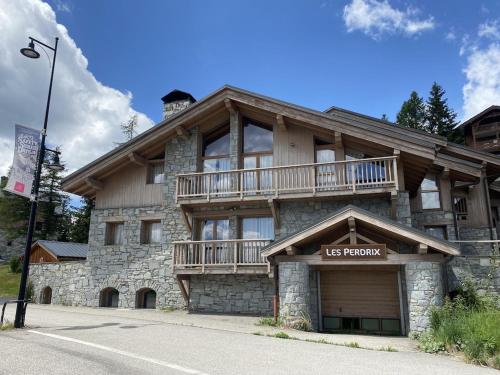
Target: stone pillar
294	291
424	290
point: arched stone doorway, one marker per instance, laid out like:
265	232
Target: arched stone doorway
145	298
46	296
109	297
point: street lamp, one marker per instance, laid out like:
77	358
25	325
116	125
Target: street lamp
31	53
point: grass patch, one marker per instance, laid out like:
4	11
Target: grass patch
167	308
320	341
6	326
352	344
258	334
388	348
268	321
9	282
281	335
470	323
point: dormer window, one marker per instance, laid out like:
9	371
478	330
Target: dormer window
156	172
429	193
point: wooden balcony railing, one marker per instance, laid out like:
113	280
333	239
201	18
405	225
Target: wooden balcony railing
222	255
348	175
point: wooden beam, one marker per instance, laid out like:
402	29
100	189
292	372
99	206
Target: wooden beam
231	107
352	230
137	159
422	248
446	173
315	259
281	122
368	240
185	218
184	289
94	184
338	140
182	132
275	210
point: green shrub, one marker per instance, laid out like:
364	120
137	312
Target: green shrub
352	344
469	323
282	335
269	321
15	265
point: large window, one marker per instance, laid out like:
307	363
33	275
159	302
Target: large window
215	158
255	228
257	153
114	233
429	192
151	232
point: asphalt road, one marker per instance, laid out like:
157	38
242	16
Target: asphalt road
76	342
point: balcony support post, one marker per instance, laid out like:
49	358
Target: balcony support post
275	210
235	256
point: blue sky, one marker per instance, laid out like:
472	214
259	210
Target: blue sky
298	51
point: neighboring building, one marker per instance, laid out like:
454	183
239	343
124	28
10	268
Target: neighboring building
241	203
482	132
43	251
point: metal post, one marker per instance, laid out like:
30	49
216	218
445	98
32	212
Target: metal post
20	310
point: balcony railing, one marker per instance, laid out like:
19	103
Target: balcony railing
349	175
220	255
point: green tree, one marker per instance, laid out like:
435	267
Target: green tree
384	117
81	221
440	118
412	113
53	214
14	213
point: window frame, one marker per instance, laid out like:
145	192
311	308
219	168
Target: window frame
436	190
110	230
443	227
150	176
240	225
146	231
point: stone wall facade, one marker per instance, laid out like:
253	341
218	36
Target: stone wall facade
240	294
424	290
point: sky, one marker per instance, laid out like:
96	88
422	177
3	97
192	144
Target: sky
117	58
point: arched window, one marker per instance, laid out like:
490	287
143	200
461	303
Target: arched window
109	297
46	296
145	298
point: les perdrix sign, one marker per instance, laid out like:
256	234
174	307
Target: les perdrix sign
354	252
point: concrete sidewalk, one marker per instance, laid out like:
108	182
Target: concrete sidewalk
231	323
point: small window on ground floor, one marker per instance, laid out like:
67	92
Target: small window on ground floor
145	299
109	297
437	231
114	233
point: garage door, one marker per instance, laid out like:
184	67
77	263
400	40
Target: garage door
363	300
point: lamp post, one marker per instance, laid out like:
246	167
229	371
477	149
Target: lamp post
33	54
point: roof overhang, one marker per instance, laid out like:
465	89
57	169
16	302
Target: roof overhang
85	180
397	231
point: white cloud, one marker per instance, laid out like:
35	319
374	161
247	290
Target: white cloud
62	6
85	115
482	88
376	18
451	35
490	30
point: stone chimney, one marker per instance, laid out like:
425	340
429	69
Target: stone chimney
175	101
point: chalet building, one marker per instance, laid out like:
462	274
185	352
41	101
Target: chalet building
240	203
45	251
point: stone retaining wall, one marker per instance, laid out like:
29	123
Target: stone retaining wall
245	294
294	291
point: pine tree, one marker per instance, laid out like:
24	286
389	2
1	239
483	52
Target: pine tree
384	117
440	119
14	213
81	221
412	113
52	203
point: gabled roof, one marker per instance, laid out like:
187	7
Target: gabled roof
479	115
63	249
404	233
413	143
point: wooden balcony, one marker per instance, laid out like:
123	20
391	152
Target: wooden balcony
361	176
219	257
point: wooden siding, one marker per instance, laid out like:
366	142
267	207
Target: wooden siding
360	293
128	188
295	145
40	255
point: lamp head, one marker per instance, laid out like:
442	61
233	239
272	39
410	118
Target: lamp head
30	51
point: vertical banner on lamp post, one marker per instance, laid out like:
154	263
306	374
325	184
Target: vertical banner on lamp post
24	165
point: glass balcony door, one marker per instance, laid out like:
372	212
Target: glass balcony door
216	252
255	228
